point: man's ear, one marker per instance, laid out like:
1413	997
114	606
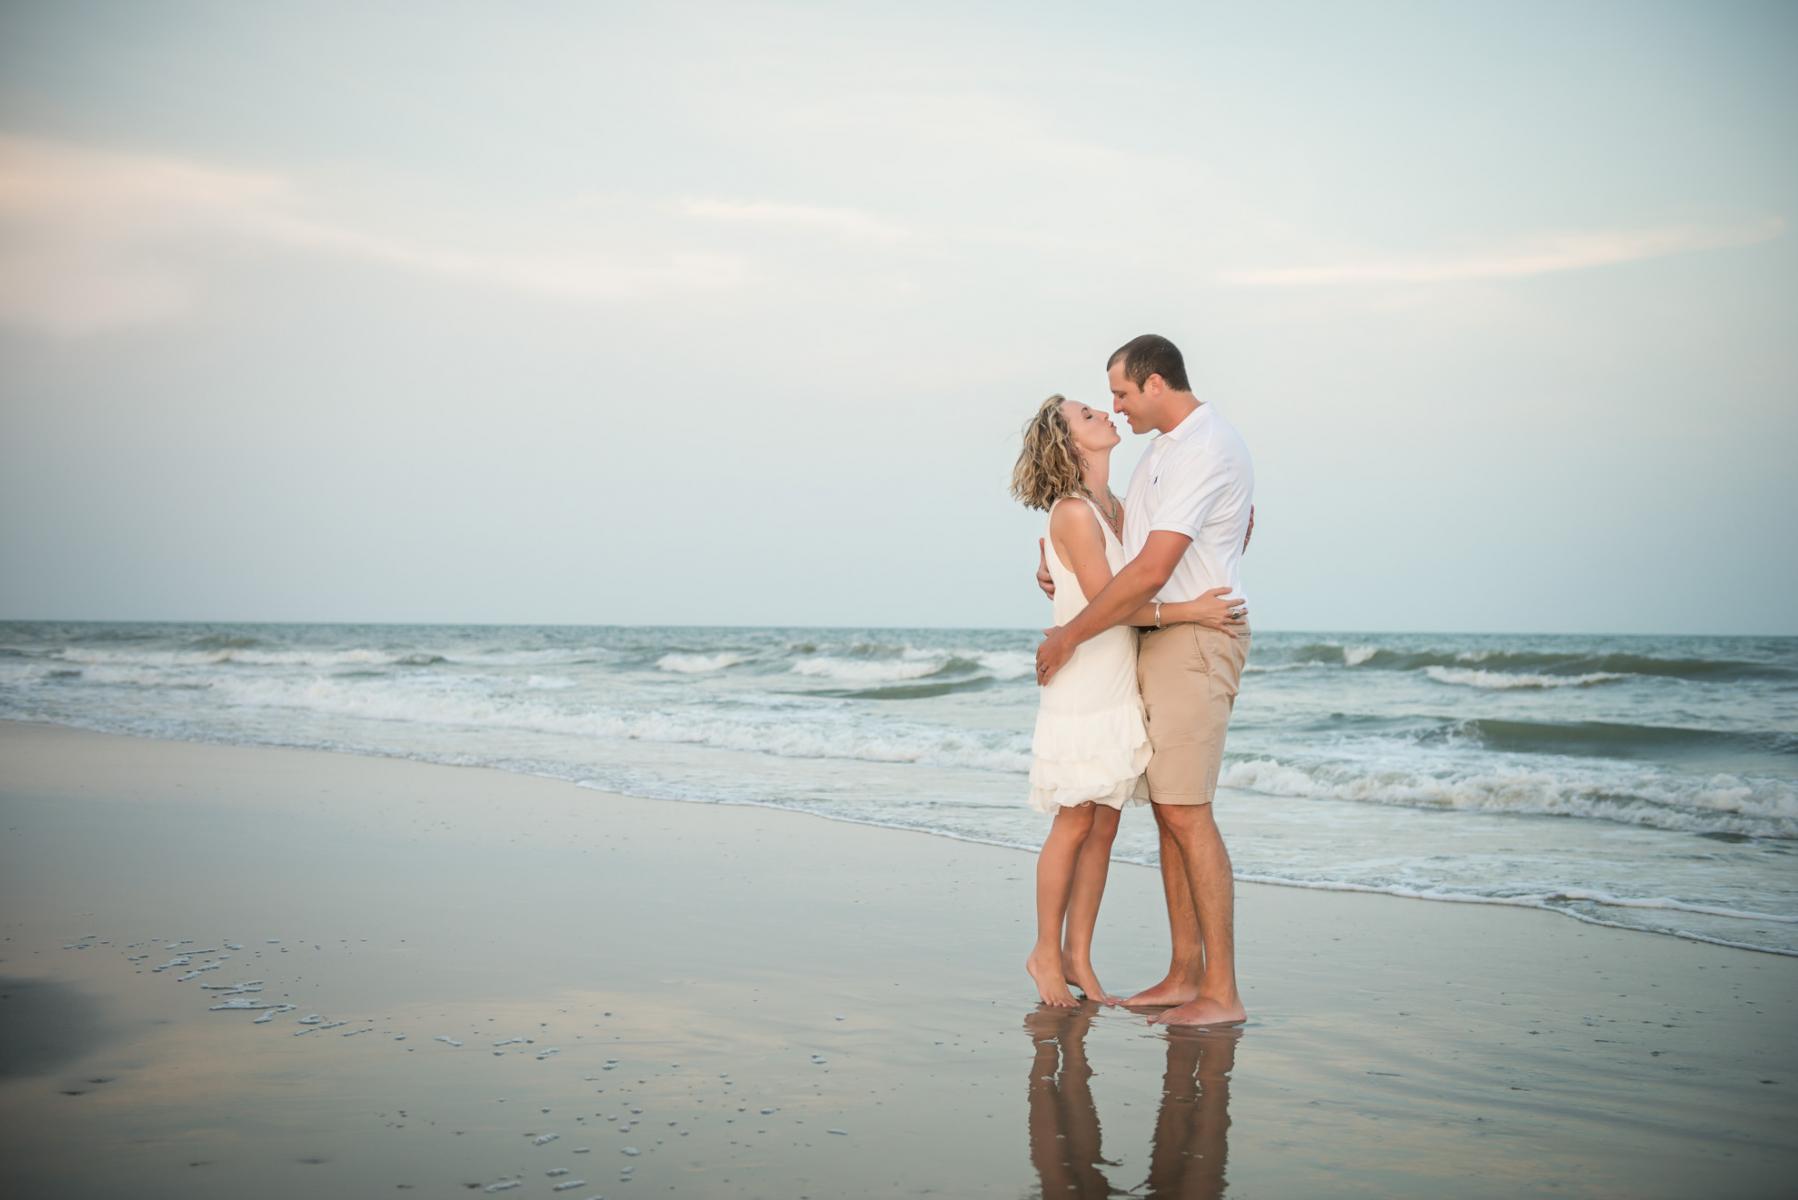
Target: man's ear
1154	385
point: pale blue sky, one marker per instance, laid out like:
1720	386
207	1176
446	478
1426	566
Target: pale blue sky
730	313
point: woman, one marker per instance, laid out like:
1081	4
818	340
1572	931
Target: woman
1090	747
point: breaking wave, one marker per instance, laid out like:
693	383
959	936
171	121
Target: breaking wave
1719	803
1477	677
699	664
1532	662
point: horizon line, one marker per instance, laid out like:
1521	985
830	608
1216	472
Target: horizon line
801	625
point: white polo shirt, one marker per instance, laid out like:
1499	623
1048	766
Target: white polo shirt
1197	480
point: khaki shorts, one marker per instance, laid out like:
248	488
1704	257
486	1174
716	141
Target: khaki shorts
1189	676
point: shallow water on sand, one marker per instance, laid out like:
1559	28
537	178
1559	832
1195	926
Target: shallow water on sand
1648	782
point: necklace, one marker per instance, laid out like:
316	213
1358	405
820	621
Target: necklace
1114	518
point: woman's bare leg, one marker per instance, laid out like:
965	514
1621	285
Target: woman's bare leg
1090	869
1054	880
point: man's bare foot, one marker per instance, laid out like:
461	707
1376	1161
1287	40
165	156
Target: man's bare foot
1166	994
1204	1011
1046	970
1082	976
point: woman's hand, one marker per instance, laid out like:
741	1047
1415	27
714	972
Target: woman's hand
1211	610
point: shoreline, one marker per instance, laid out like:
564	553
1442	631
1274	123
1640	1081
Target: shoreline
1531	904
732	984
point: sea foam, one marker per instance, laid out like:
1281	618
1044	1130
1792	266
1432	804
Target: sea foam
868	671
1715	804
698	664
1506	680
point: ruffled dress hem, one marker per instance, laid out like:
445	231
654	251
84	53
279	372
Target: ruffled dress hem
1093	756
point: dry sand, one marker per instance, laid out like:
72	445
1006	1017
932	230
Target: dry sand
751	1002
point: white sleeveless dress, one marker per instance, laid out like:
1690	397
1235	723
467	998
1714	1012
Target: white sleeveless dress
1090	741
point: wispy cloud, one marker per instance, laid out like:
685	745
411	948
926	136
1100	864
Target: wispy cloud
569	275
83	236
841	222
95	239
1542	255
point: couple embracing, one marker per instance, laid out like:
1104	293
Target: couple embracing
1140	673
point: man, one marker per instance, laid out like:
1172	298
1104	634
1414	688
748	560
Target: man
1187	515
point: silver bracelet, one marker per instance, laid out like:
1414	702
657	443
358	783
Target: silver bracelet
1158	614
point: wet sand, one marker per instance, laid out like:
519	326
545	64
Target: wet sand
709	1001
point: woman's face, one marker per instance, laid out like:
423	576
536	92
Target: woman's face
1092	429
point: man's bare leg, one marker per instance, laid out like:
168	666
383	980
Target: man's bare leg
1191	1138
1090	870
1181	984
1054	879
1214	896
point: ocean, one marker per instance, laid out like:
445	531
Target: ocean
1643	782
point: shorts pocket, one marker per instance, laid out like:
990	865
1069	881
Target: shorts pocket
1200	662
1227	662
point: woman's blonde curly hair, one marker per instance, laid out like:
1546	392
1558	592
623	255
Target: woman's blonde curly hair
1048	467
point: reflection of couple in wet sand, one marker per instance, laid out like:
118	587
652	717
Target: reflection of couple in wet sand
1128	716
1189	1144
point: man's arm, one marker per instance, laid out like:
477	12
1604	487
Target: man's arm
1128	590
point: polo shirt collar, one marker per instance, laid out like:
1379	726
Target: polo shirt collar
1191	425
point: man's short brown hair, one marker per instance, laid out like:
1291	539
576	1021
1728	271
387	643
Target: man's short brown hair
1151	354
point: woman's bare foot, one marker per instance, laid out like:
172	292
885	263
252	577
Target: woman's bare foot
1204	1011
1082	976
1170	992
1045	968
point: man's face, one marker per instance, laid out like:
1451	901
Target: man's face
1128	399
